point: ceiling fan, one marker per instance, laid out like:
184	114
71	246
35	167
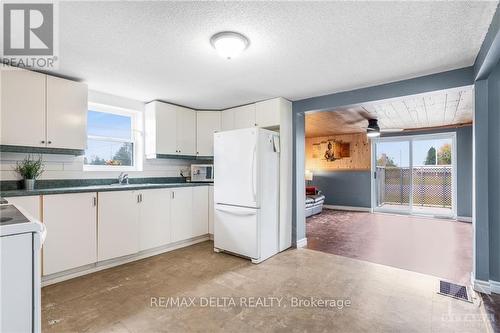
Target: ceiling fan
373	130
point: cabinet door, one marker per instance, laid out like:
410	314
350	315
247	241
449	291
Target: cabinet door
211	210
207	123
182	215
244	116
154	222
267	113
22	108
118	228
66	114
200	211
166	128
71	231
186	133
227	120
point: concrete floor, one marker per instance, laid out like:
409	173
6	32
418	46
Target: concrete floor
383	298
437	247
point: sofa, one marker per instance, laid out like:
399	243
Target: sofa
314	201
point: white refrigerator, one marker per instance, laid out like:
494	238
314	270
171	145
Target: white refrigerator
246	193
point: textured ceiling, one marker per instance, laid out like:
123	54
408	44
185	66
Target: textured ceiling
161	50
437	109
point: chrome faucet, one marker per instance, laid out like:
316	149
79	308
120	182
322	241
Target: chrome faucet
123	178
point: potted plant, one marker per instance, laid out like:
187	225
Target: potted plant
30	169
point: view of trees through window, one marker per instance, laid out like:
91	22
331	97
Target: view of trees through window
425	152
110	139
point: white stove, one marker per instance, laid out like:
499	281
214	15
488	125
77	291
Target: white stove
21	239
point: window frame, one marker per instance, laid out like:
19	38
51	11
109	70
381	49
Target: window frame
136	138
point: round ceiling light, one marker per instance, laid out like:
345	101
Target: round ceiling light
229	44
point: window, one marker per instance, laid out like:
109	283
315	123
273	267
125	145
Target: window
112	139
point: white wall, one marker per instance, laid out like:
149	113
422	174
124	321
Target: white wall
71	167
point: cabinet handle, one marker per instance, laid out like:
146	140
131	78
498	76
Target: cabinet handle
173	195
43	141
94	201
141	196
138	198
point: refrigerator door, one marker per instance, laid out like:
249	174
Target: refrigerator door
236	230
235	167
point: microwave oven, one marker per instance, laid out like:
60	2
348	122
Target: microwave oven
202	172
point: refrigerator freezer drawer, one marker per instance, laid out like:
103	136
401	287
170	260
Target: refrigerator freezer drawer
236	230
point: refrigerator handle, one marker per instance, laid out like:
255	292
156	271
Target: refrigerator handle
236	210
254	185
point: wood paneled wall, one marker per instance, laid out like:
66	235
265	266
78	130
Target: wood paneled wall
360	152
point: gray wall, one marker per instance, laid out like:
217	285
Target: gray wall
344	188
494	171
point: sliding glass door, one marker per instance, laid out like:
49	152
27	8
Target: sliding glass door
392	176
415	175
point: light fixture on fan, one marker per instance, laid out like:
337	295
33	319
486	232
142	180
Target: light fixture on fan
229	44
373	130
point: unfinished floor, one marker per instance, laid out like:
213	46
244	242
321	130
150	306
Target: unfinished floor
383	298
437	247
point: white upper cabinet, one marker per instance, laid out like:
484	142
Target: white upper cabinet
160	128
22	108
207	123
186	131
169	130
244	116
66	113
227	120
38	110
267	113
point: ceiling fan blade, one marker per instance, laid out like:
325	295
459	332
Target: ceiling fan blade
391	130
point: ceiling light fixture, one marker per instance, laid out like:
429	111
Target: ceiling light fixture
373	130
229	44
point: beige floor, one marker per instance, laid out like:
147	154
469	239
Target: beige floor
383	298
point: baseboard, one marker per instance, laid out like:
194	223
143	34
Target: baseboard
211	237
302	243
464	219
351	208
99	266
495	286
481	286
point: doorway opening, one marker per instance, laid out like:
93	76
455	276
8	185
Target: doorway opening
403	199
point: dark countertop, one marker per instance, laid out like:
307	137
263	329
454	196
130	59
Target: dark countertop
95	188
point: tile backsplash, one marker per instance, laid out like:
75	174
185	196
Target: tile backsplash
71	167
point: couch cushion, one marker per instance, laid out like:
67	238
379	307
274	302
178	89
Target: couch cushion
316	198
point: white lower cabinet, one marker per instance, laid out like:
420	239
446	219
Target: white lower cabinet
154	220
86	228
182	213
71	231
118	229
200	211
211	210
